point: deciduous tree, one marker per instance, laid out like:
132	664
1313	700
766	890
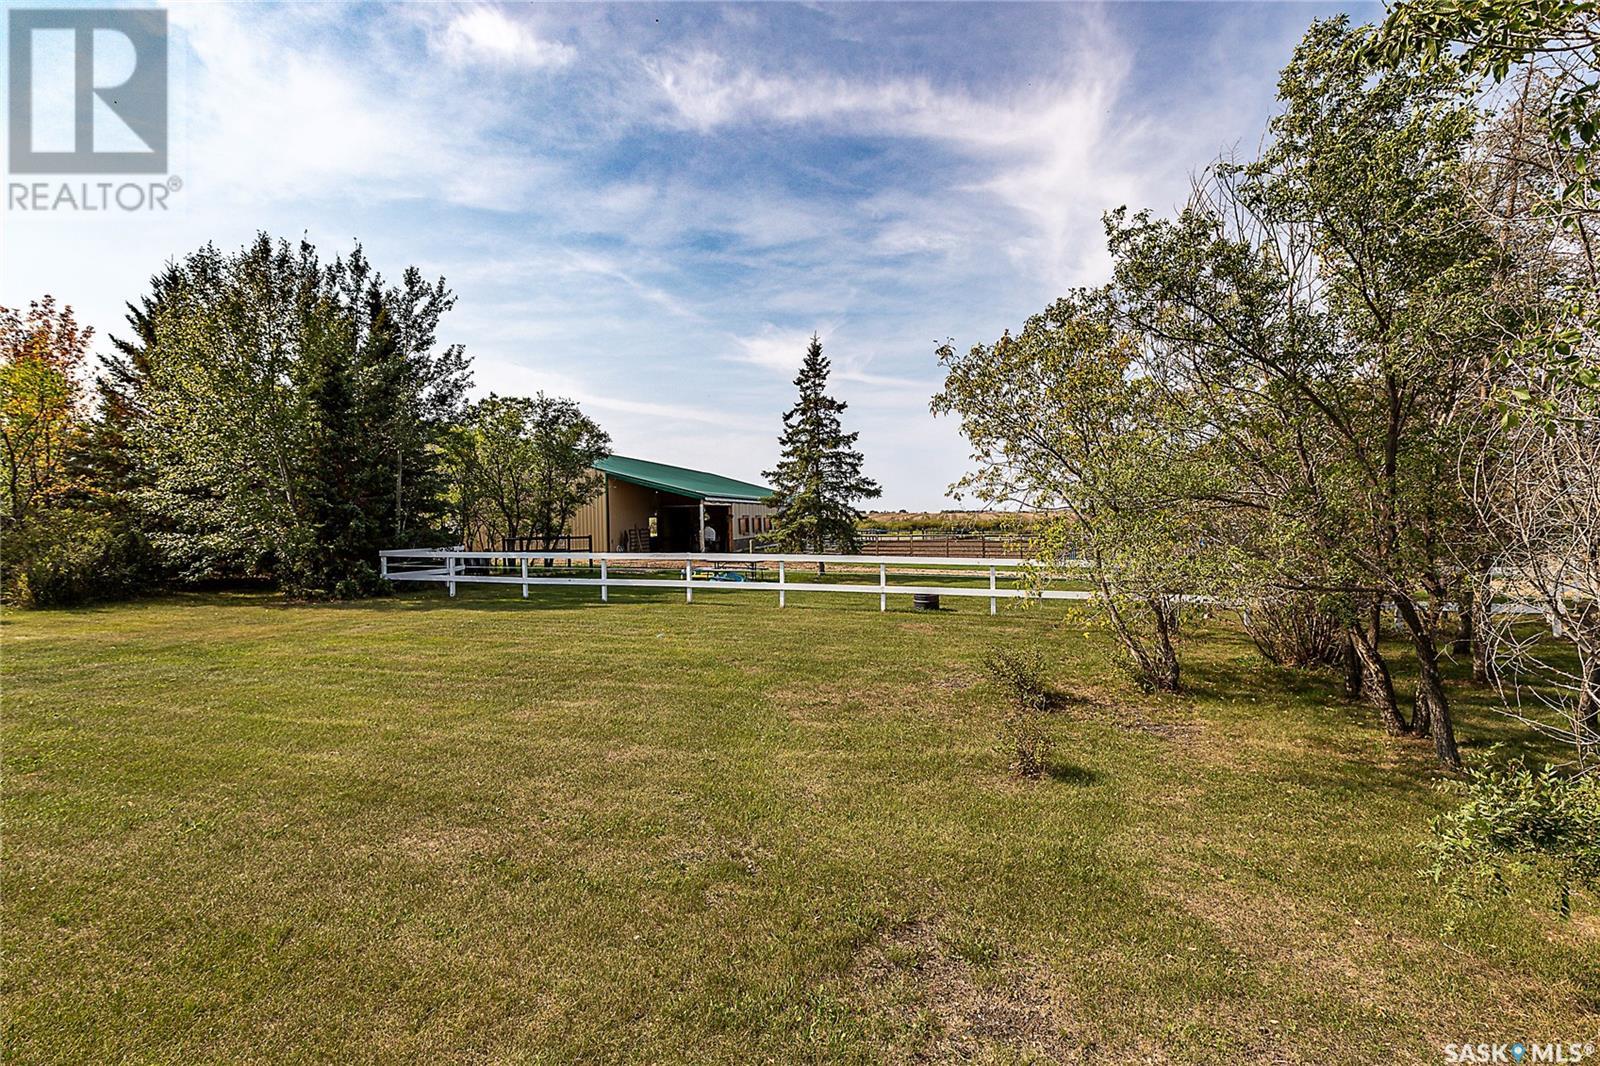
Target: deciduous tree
1063	420
1325	308
523	468
42	356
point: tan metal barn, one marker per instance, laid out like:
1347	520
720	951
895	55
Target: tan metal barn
656	507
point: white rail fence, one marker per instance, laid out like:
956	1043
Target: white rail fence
744	572
719	572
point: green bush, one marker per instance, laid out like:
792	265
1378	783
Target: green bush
1018	672
1520	823
70	557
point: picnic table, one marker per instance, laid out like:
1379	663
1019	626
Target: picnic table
727	571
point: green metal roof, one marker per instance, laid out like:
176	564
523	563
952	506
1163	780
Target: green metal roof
696	484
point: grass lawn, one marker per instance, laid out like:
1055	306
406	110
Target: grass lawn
421	829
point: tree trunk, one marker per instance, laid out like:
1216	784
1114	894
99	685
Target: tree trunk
1434	612
1588	717
1166	658
1376	681
1430	685
1473	634
399	501
1422	704
1157	671
1352	669
1463	644
1482	664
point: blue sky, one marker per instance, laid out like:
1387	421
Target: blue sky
650	208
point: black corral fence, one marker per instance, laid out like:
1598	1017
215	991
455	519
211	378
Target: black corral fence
948	545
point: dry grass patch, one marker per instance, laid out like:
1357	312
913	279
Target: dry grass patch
960	1003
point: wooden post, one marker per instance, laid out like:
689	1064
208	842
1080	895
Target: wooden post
883	583
524	578
780	582
700	530
604	588
991	590
383	566
688	581
450	570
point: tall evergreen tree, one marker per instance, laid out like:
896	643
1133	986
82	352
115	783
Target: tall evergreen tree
108	458
346	493
818	480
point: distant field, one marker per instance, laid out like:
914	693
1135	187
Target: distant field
550	830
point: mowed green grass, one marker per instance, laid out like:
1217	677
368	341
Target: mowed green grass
491	829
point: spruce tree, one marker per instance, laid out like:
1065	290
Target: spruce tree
107	458
345	487
818	480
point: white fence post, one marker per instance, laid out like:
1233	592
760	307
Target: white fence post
605	589
780	582
524	578
383	566
991	589
688	581
883	582
450	569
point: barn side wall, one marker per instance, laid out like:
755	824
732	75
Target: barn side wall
590	521
747	524
630	507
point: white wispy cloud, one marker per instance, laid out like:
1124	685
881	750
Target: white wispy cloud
591	263
524	379
276	110
774	349
488	34
780	351
1055	153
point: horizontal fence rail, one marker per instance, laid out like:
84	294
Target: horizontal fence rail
720	572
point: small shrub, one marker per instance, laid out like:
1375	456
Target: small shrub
1539	824
1018	672
1027	742
1293	630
